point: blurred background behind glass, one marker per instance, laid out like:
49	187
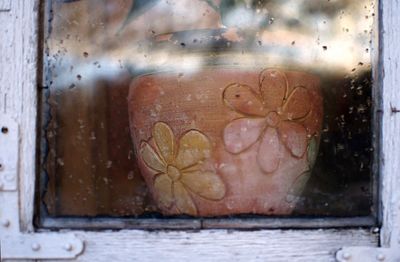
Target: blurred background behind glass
92	52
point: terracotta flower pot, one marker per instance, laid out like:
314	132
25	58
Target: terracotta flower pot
225	141
227	135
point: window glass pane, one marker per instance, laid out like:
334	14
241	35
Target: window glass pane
208	108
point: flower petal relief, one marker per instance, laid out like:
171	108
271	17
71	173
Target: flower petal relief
177	165
272	118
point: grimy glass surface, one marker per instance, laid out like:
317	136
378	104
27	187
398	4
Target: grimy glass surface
207	108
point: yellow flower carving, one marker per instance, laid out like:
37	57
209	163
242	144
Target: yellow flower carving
177	166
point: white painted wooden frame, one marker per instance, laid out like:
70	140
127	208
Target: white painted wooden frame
19	240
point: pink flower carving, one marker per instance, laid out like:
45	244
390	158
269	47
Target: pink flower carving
273	117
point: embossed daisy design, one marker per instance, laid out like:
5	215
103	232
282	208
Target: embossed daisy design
177	164
273	118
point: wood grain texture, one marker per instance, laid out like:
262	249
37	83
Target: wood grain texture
18	63
5	5
27	68
221	245
390	162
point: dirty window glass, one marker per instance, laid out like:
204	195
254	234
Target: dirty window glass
207	108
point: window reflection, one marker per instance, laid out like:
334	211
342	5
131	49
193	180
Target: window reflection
94	49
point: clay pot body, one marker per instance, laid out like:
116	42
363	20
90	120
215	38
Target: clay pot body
224	141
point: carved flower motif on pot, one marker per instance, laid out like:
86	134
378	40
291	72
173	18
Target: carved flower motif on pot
179	175
273	118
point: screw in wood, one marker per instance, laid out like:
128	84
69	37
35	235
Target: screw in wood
68	247
346	255
5	223
35	247
380	257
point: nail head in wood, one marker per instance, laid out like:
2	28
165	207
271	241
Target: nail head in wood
68	247
5	223
35	247
346	255
380	257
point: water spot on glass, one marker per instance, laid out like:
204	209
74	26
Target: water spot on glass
290	198
130	175
339	147
60	162
361	109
